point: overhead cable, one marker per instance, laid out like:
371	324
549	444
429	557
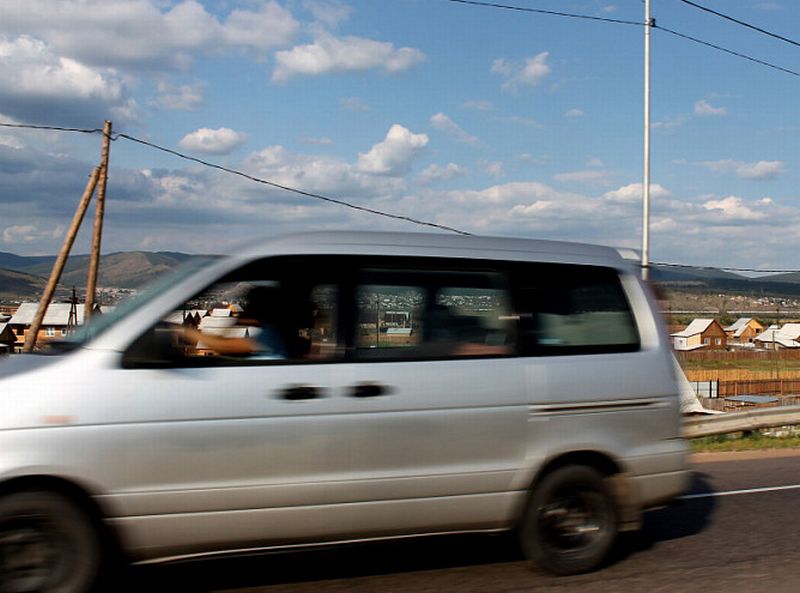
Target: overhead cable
738	22
287	188
52	128
727	51
548	12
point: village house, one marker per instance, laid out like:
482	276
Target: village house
743	331
778	338
701	334
59	320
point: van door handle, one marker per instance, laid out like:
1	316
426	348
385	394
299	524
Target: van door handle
301	392
369	390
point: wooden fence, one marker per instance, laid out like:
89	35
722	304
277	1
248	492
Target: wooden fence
738	355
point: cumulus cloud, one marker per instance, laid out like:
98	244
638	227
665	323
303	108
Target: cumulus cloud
208	141
353	104
494	168
734	207
586	176
348	54
530	73
478	105
34	80
146	34
329	13
393	155
185	97
633	192
574	113
755	171
443	123
434	173
704	108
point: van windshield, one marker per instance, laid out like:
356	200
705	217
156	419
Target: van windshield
99	323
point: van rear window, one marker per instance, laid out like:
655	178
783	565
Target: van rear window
571	309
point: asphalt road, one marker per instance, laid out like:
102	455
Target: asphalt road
737	531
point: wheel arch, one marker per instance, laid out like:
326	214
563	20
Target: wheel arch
76	493
609	467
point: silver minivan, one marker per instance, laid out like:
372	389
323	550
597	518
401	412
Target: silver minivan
422	384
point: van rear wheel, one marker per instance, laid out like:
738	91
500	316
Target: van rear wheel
47	545
571	521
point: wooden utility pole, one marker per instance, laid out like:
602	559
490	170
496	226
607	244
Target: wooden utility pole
94	262
58	267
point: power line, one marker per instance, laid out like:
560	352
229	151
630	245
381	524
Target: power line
738	22
727	51
547	12
292	189
52	128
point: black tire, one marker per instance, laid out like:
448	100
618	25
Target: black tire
570	524
47	545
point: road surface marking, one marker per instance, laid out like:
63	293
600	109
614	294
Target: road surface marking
735	492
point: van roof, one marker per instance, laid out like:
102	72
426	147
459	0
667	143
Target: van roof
435	244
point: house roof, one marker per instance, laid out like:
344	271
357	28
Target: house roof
787	336
57	314
740	326
697	326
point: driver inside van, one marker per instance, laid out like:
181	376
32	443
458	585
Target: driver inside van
262	336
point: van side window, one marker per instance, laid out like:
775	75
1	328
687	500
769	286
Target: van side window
432	314
570	309
275	311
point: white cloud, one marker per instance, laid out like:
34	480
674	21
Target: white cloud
434	173
704	108
185	97
353	104
733	207
633	192
478	105
586	176
146	34
208	141
393	155
574	113
494	168
331	13
442	122
530	73
760	171
33	80
756	171
349	54
320	141
28	233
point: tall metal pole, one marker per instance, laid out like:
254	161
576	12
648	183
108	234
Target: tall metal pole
646	179
100	207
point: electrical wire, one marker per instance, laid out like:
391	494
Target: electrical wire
287	188
547	12
52	128
727	51
738	22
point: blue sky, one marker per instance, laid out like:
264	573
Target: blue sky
492	121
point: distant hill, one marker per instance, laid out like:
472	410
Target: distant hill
688	274
130	269
19	285
792	278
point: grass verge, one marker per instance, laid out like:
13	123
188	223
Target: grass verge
747	441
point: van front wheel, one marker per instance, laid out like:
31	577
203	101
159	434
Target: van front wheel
47	545
571	522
